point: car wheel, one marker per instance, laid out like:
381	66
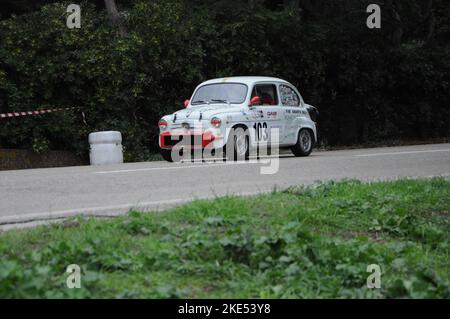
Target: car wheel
237	148
166	154
305	143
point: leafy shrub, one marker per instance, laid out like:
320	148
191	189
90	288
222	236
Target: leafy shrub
367	88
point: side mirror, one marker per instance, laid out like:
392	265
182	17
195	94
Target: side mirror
255	101
186	103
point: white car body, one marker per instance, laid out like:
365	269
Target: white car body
288	114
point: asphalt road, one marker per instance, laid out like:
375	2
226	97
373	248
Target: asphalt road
46	194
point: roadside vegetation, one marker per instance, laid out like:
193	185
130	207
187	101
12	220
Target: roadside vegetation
370	85
303	242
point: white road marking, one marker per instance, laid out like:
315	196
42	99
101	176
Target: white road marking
166	168
209	163
400	153
88	211
113	210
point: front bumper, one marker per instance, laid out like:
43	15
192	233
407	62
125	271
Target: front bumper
194	140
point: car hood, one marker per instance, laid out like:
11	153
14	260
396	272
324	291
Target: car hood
205	111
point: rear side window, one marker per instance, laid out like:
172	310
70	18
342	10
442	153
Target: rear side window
288	96
267	93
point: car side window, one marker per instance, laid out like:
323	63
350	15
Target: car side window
288	96
267	93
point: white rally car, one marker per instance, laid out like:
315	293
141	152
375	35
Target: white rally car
236	115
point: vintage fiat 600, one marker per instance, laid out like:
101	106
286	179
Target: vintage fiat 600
233	116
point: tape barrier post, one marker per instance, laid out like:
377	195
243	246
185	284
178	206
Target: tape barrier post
37	112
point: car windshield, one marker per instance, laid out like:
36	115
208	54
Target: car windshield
233	93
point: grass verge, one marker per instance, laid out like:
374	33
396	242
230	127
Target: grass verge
304	242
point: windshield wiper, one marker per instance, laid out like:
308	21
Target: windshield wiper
220	101
199	102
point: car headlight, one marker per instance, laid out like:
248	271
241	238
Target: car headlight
216	122
162	125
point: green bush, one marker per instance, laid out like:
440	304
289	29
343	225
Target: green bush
367	86
313	242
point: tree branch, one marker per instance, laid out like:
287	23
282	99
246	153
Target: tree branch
114	16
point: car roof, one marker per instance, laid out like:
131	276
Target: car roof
244	79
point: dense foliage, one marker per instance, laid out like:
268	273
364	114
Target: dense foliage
369	84
306	242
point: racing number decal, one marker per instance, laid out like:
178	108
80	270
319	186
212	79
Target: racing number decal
261	131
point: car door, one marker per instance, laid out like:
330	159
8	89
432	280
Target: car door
292	105
268	115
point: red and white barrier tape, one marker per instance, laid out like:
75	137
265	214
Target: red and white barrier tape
38	112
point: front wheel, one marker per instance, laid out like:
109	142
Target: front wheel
305	143
238	145
166	154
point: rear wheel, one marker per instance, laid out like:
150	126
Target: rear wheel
305	143
237	148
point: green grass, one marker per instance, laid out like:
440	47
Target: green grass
304	242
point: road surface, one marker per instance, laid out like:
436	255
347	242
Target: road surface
48	194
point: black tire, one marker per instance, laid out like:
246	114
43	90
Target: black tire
166	154
305	143
234	149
